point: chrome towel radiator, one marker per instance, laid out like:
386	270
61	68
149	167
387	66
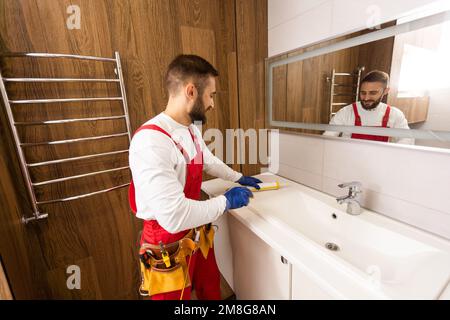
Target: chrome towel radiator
20	145
334	84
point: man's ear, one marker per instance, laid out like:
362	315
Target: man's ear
190	91
386	91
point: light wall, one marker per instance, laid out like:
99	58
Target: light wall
407	184
296	23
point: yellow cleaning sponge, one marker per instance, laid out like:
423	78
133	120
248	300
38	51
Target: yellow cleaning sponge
266	186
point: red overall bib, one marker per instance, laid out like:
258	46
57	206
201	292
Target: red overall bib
204	273
370	136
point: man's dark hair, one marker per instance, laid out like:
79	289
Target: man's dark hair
187	67
376	76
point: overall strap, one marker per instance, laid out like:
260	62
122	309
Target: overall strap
386	117
195	140
158	128
153	127
357	117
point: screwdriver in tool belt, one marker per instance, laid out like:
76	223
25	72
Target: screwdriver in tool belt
165	255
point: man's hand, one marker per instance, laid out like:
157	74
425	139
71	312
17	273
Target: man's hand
249	181
237	197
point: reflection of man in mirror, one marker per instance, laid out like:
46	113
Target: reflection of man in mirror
371	112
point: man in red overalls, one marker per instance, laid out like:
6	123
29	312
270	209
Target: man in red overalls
167	158
370	111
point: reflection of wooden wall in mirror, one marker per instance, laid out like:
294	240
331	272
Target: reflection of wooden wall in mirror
301	92
279	91
415	108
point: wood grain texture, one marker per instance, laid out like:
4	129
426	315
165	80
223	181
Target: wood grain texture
16	240
251	35
100	234
415	109
279	103
5	291
233	100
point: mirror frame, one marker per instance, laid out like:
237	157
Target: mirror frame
392	31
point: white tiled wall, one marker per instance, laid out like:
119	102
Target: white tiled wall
407	184
296	23
308	167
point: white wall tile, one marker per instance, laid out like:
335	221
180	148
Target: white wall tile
302	152
313	25
408	185
307	178
416	215
411	175
274	151
297	158
353	15
281	11
293	24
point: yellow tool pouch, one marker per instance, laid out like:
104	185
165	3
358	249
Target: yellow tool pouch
159	279
206	240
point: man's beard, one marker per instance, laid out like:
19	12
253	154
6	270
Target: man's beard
373	105
198	112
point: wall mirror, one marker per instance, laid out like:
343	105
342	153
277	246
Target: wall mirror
313	89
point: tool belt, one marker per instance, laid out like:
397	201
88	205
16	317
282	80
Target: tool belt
164	267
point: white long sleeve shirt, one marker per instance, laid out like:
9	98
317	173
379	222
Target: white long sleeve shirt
374	118
159	174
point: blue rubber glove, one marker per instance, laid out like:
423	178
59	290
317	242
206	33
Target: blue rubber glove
237	197
249	181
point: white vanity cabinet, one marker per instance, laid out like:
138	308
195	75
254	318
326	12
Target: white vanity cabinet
376	257
259	272
305	288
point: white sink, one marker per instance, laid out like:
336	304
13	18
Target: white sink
406	266
401	261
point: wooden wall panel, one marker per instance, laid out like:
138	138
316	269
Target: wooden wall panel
100	234
377	55
251	34
5	291
227	98
16	240
233	100
217	45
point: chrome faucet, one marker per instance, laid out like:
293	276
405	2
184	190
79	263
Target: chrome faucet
353	205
